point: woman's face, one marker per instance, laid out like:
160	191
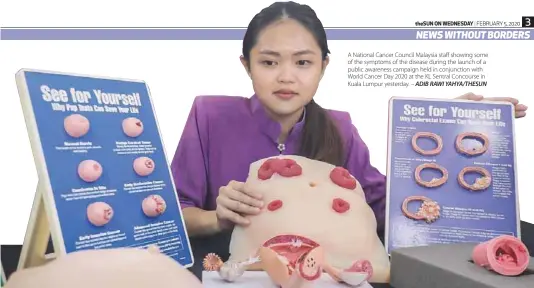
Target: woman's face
285	67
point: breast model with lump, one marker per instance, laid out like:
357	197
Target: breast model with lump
107	268
310	204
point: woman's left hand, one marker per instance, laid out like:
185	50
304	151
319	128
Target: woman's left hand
520	109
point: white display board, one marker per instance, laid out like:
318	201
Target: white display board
260	279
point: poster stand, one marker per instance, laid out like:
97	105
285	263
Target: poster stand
38	235
61	207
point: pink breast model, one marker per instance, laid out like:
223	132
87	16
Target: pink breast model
154	205
89	170
99	213
76	125
315	219
506	255
132	127
107	268
144	166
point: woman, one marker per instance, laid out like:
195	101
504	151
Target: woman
285	53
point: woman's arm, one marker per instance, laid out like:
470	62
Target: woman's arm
200	222
190	174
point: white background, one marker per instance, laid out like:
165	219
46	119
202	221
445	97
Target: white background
177	71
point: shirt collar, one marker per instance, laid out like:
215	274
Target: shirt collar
270	127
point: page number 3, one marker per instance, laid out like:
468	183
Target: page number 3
528	21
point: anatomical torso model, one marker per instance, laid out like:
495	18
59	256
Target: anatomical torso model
316	219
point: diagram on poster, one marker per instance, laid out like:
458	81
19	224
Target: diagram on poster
451	172
104	181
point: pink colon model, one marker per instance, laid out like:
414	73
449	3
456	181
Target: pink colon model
144	166
505	255
132	127
76	125
89	170
154	205
99	213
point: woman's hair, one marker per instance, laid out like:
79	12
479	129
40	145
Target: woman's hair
320	139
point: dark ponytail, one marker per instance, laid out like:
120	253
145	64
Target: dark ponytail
320	139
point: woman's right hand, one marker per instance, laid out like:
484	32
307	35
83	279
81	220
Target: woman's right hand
235	202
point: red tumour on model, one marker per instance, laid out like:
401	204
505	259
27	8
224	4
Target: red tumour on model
341	177
275	205
289	169
362	266
284	167
265	172
340	206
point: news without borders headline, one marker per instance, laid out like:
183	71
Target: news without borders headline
473	35
96	100
452	115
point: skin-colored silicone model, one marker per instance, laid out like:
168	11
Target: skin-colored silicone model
132	127
294	241
154	206
89	170
144	166
435	137
505	255
475	151
481	183
429	210
435	182
112	267
99	213
76	125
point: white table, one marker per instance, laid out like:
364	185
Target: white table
260	279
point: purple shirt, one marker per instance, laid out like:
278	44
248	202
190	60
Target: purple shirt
223	135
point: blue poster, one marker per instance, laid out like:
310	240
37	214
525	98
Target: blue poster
105	163
451	172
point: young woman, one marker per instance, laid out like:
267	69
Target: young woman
285	54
